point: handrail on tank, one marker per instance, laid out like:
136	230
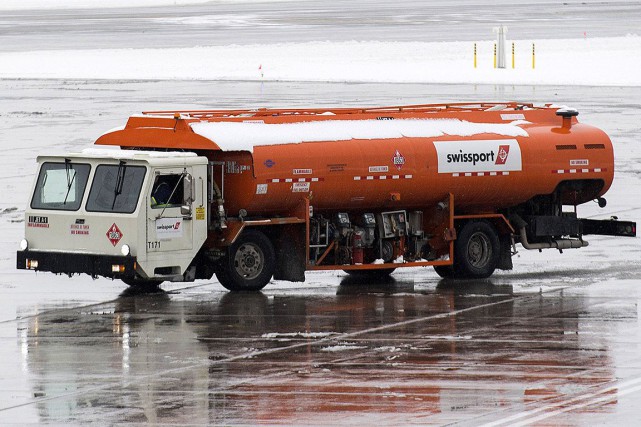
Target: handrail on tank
263	112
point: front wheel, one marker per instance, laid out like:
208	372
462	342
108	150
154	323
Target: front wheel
249	263
476	250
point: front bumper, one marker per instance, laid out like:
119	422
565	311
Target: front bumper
112	266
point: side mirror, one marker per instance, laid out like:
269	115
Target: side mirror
188	190
188	196
185	211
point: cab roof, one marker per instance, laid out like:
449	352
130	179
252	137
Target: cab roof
154	158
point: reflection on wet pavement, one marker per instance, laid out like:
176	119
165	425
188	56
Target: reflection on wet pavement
384	353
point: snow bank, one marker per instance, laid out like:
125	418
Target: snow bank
601	62
245	136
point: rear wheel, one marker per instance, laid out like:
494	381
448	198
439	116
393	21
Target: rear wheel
476	250
445	271
249	263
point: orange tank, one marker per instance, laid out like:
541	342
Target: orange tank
489	156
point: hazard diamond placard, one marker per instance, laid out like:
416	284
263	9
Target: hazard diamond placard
114	234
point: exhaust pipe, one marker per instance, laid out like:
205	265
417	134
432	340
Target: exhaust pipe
555	244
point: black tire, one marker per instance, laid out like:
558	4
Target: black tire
376	274
445	271
249	264
476	250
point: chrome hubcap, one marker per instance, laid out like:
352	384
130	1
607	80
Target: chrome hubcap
248	261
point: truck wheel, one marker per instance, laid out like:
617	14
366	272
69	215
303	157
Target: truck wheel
381	273
249	263
445	271
476	251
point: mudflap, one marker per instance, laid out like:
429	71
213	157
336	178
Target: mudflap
505	256
289	244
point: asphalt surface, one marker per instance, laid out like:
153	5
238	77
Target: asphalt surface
393	354
555	342
259	22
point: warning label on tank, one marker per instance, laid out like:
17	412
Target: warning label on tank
377	169
495	155
261	188
580	162
300	187
302	171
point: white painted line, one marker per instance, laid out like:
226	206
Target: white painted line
571	404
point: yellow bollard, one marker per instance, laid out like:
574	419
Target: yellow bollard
512	55
474	55
494	55
533	56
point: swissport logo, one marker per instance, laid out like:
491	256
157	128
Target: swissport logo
169	228
504	151
476	156
166	227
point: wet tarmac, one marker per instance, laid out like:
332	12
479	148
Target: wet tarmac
253	22
556	342
397	353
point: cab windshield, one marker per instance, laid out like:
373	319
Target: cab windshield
60	186
116	188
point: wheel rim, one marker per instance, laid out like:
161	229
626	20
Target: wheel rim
479	250
249	261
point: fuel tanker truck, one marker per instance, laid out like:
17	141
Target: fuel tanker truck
251	195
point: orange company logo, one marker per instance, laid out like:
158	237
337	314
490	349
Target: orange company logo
501	158
398	160
114	234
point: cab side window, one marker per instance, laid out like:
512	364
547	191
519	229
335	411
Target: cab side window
167	191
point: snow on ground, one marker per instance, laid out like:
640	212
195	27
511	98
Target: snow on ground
93	4
112	4
610	61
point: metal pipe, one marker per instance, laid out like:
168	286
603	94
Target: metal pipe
555	244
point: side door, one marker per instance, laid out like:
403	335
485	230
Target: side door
169	225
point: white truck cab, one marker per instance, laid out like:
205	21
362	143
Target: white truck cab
139	216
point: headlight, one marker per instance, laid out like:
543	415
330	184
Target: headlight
125	250
24	244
